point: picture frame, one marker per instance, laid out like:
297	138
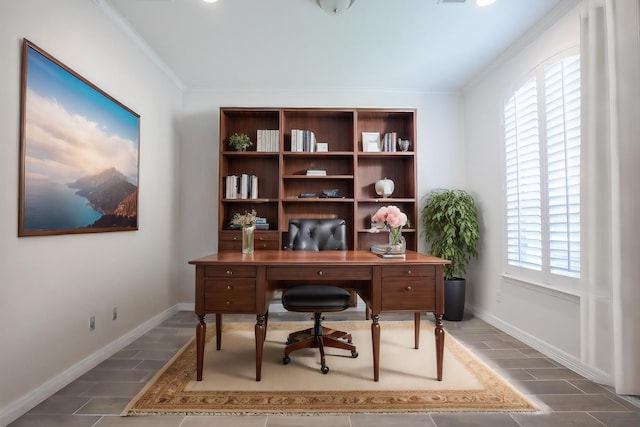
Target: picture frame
370	142
322	147
79	152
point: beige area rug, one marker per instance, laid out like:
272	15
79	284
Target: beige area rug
407	376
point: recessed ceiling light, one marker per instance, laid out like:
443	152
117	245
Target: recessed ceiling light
483	3
210	1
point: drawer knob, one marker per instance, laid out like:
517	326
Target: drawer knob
320	273
229	272
408	288
264	245
228	302
228	287
408	271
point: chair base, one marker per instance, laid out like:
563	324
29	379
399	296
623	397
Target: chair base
318	337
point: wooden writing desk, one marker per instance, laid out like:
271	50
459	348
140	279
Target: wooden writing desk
230	283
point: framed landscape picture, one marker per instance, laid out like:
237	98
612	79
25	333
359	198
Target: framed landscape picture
79	153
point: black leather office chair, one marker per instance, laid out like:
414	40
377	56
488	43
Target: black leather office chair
317	235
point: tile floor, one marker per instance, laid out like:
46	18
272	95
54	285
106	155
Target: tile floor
96	398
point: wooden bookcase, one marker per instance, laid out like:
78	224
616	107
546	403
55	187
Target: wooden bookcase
349	169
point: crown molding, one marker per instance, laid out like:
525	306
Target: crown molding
126	28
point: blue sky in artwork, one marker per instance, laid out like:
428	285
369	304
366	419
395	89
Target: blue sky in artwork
73	130
52	81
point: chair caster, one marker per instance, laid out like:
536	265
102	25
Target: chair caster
286	360
324	369
354	354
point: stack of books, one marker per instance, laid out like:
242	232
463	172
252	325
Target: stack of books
316	172
384	251
267	140
261	223
389	141
243	186
303	140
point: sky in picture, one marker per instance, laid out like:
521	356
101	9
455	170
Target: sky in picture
72	130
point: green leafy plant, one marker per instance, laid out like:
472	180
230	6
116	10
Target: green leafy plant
450	225
240	142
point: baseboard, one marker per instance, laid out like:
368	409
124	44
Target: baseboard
186	306
22	405
543	347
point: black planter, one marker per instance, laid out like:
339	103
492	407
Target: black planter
454	295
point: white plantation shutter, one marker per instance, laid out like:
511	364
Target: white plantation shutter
562	107
542	160
524	218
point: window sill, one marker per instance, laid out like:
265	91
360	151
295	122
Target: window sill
568	292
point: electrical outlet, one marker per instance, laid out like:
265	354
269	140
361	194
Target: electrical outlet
92	323
115	313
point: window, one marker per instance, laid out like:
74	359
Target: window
542	160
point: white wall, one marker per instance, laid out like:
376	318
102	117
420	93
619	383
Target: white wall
49	286
545	318
440	151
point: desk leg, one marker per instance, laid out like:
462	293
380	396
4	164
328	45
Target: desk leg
416	330
375	339
439	332
201	330
218	331
260	336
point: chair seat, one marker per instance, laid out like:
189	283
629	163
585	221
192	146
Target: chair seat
316	298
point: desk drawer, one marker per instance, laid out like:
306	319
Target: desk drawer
412	294
408	271
263	239
230	271
229	295
319	273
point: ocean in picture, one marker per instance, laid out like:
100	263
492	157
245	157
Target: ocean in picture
52	206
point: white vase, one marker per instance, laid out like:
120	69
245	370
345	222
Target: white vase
384	187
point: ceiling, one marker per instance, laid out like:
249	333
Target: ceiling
416	45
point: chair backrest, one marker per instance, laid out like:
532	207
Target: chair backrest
317	234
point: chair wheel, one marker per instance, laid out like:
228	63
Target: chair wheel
286	360
354	354
324	369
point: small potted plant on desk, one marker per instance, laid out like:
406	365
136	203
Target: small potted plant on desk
450	225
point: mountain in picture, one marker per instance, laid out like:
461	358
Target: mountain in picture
111	194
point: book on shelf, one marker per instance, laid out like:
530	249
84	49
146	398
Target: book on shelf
243	186
231	190
303	140
253	187
316	172
267	140
389	141
261	223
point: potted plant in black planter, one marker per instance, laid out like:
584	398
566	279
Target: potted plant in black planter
450	225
